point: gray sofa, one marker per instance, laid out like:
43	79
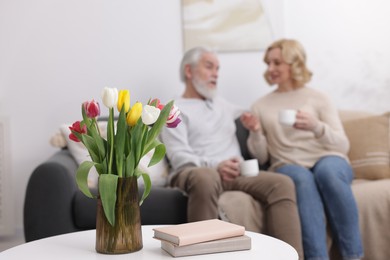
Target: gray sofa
369	154
54	205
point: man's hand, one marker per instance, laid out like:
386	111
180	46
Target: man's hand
250	122
229	169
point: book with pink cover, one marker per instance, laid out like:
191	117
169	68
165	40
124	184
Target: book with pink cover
210	247
197	232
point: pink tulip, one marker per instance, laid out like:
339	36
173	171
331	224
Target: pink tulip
156	103
92	108
173	119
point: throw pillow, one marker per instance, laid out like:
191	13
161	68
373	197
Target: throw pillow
369	146
158	173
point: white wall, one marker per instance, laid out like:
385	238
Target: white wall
348	47
56	54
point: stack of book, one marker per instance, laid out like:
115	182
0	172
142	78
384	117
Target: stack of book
202	237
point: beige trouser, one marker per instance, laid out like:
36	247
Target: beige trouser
275	191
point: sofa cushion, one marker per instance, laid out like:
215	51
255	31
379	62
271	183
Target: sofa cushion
369	146
373	201
232	205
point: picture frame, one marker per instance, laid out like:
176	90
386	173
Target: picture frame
224	26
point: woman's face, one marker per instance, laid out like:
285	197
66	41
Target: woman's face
278	71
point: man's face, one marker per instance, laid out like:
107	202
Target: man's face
205	75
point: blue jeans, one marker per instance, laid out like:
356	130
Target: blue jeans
326	188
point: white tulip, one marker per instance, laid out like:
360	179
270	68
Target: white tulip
150	114
110	97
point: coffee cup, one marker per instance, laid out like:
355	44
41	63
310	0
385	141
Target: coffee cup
249	167
287	116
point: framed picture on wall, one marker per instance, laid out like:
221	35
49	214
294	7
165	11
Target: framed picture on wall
225	25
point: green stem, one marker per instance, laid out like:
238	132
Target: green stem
97	126
94	121
111	121
145	138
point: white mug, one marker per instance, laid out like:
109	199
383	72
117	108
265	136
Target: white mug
249	167
287	116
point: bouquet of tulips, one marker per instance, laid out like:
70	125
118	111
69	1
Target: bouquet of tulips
130	136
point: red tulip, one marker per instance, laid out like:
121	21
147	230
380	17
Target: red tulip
76	127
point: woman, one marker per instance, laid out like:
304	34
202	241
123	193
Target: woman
312	151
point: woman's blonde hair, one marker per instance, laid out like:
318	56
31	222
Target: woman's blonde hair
293	54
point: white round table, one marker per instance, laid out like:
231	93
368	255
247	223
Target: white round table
81	245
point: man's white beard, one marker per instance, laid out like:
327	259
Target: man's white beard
202	88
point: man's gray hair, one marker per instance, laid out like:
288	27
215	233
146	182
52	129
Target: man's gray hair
192	57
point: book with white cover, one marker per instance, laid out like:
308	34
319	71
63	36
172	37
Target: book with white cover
209	247
197	232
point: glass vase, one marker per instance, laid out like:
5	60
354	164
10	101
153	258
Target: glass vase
126	235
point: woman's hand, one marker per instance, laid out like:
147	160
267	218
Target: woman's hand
306	121
250	122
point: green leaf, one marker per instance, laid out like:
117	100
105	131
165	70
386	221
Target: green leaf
93	150
161	121
82	177
110	140
101	168
120	141
158	155
151	146
145	134
136	141
99	141
107	190
147	187
130	162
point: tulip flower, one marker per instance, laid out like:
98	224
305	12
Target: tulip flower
124	100
156	103
134	114
173	119
118	153
76	127
150	114
92	109
110	97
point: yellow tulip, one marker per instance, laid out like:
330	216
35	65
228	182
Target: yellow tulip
123	100
134	114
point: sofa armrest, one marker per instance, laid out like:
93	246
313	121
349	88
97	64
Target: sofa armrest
164	205
49	195
242	136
